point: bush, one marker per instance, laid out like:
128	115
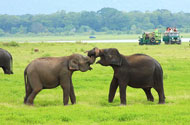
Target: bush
12	43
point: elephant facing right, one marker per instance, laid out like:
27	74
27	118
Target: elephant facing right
137	71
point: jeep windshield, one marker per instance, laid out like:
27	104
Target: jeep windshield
173	34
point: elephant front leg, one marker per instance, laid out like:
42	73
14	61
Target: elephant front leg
122	90
66	93
65	84
148	94
72	94
113	88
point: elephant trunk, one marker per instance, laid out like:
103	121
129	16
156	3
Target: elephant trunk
91	59
94	52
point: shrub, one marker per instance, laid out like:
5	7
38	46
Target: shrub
12	43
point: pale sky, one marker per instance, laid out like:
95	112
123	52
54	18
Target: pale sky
19	7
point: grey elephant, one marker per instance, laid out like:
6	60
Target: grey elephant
137	71
6	61
50	72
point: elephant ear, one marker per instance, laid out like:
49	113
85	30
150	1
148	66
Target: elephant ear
73	64
114	57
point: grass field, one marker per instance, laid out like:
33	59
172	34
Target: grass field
91	89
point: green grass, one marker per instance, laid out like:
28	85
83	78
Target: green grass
91	89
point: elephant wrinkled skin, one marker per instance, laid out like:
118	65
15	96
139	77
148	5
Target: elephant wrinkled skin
137	71
50	72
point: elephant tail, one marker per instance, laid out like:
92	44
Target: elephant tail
25	79
158	74
158	77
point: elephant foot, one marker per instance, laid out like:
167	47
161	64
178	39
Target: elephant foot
110	100
74	103
151	99
122	105
25	100
65	104
29	104
161	102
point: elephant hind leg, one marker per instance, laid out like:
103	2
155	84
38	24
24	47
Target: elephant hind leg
31	97
148	94
36	86
160	91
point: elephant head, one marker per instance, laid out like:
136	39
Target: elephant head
94	52
107	56
80	62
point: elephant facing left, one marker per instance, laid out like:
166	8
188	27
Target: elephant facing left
137	71
6	61
50	72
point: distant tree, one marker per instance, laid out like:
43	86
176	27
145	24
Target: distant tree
37	27
2	32
133	29
69	28
107	20
84	29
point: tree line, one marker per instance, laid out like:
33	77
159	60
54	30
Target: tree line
107	20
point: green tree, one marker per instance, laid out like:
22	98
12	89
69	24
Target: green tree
2	32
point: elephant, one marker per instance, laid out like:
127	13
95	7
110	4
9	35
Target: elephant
137	71
50	72
6	61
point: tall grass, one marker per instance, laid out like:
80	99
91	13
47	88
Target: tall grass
91	89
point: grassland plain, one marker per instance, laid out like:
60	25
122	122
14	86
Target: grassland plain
91	89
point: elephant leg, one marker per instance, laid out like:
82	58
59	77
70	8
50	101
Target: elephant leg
36	86
31	97
5	70
160	91
113	87
72	94
66	86
148	94
28	92
66	94
122	90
